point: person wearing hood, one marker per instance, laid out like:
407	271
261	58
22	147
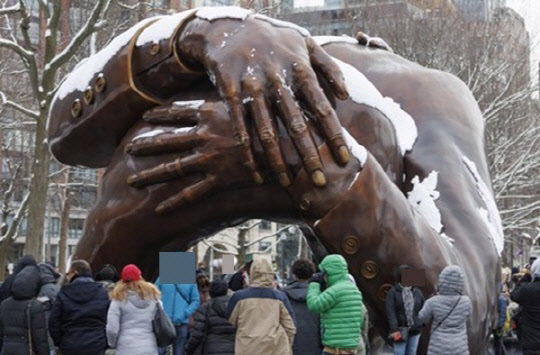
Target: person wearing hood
307	340
449	311
79	313
5	289
23	329
48	291
263	316
339	306
212	333
527	294
403	302
107	276
129	320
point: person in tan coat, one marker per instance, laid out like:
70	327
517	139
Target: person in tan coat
263	317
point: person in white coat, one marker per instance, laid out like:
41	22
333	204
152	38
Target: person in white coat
129	320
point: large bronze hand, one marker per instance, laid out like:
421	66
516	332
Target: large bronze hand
205	142
264	70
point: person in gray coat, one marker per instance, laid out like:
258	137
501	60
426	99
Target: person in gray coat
48	291
129	320
449	310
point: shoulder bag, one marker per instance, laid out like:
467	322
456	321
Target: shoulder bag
163	327
441	322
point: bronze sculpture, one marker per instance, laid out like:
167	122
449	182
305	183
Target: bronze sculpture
413	190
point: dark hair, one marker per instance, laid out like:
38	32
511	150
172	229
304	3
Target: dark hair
107	273
218	288
81	267
303	269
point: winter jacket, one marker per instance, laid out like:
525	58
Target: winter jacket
15	312
5	289
211	319
528	297
263	317
502	306
395	308
180	301
340	305
449	327
129	326
236	282
49	287
79	316
307	340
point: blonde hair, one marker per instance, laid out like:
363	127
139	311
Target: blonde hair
145	290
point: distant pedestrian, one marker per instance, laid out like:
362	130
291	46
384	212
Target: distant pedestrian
79	314
203	286
180	301
307	340
129	320
23	330
263	316
498	332
449	311
212	333
527	294
5	289
338	301
240	279
402	306
107	276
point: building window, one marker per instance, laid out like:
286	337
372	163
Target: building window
265	225
54	227
75	228
265	245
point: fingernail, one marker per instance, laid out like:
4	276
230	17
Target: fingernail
132	180
284	179
257	178
161	208
318	177
344	154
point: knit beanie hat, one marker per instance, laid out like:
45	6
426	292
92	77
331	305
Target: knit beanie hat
131	273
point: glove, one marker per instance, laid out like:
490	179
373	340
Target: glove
317	277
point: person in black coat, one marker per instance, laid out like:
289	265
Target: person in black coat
79	314
527	294
398	319
212	333
5	289
307	340
22	318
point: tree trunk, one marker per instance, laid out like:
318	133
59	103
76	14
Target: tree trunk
242	246
4	249
39	183
64	226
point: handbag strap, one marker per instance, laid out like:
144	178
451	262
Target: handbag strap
441	322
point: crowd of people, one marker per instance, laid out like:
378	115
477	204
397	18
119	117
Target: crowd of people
318	313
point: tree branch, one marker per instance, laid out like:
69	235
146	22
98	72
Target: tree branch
80	37
13	227
10	10
6	103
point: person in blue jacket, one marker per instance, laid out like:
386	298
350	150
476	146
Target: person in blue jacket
180	301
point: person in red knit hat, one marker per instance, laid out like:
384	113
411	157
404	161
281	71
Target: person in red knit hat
129	321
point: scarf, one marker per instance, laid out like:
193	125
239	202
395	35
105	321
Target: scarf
408	302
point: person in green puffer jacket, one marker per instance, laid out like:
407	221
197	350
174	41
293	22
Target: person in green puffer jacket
339	306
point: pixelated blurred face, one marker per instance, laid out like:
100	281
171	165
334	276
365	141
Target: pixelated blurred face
413	277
